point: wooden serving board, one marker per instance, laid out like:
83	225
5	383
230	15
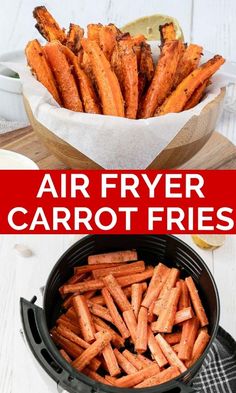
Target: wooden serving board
218	153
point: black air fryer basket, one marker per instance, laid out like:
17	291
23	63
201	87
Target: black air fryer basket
152	249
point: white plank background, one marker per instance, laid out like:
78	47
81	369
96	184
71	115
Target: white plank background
210	23
24	276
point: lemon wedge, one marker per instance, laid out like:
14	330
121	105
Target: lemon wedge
149	26
209	241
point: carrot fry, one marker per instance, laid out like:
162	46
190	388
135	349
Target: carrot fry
107	40
133	379
180	96
163	79
131	323
197	95
65	80
111	380
122	270
146	64
155	350
183	315
167	32
124	363
95	376
166	318
141	341
87	92
106	80
65	355
117	320
113	257
102	340
74	36
176	349
117	293
65	322
136	297
97	266
110	360
199	346
170	354
67	333
173	338
150	313
127	291
93	32
161	303
184	300
197	304
47	25
117	340
135	278
69	299
146	361
40	68
133	358
84	318
164	376
188	63
188	337
100	311
158	279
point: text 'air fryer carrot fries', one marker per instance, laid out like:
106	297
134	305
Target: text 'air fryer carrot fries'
110	72
127	324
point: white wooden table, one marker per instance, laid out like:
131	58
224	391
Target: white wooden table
24	276
210	23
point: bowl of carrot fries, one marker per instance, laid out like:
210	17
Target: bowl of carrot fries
125	311
107	85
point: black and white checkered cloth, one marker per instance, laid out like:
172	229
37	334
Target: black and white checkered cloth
218	372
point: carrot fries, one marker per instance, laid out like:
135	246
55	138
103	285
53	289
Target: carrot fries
127	324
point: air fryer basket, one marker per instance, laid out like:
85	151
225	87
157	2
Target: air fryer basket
152	249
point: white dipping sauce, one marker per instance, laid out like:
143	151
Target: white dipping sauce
12	160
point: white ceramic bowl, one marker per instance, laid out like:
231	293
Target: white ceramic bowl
11	160
11	101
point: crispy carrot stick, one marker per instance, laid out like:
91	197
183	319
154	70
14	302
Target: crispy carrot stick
197	95
40	68
131	323
113	257
107	40
150	313
133	359
117	320
159	278
93	32
84	318
180	96
117	340
102	340
135	278
167	32
47	25
184	300
183	315
95	376
188	337
65	355
100	311
129	82
121	270
117	293
136	297
64	321
106	80
146	64
124	363
199	346
170	354
90	268
163	79
197	304
65	80
133	379
67	333
87	92
100	300
166	318
146	361
165	292
155	350
164	376
110	360
111	380
74	36
176	349
141	341
188	62
173	338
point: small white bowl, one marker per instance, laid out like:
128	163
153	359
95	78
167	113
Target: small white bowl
11	160
12	107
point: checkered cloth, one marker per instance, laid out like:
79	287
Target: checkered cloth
218	372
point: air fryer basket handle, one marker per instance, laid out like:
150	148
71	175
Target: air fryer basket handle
184	388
